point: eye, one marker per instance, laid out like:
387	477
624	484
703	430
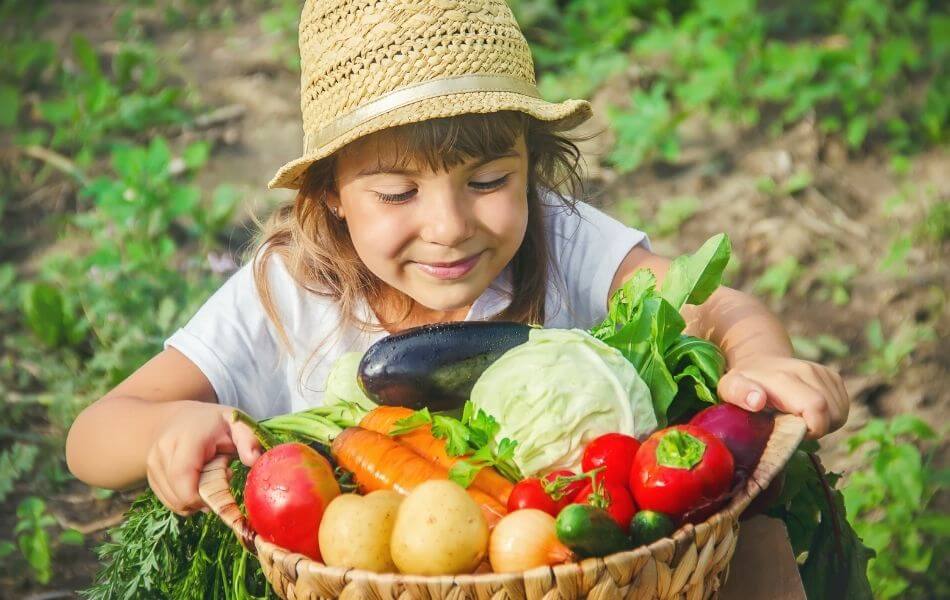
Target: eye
489	185
395	198
478	185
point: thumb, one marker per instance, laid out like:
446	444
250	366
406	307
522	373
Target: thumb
736	388
248	448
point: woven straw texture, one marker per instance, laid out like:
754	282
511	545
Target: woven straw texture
691	565
367	65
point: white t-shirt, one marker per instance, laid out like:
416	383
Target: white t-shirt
236	346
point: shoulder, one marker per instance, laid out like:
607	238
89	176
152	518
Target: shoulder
586	247
572	225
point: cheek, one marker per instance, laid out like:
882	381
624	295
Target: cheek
378	235
505	216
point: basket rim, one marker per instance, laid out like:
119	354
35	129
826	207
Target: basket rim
787	434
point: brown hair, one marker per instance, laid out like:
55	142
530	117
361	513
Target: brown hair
316	246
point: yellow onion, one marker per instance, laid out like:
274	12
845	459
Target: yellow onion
525	539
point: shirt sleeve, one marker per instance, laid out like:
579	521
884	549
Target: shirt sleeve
588	246
231	340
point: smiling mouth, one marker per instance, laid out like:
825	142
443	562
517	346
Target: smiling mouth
449	270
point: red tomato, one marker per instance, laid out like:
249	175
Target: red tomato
680	469
285	494
614	452
550	494
530	493
566	485
613	498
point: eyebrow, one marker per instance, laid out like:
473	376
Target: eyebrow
380	170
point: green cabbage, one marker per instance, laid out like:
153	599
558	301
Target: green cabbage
557	392
342	385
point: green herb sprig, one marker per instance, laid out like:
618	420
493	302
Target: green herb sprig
155	553
472	436
644	323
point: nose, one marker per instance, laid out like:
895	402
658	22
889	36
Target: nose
447	219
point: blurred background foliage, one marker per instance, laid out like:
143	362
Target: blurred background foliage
136	139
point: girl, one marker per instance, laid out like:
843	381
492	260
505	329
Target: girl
435	185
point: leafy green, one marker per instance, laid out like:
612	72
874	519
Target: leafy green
835	558
891	505
645	325
559	391
33	521
157	554
473	435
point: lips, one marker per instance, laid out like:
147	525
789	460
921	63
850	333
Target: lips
449	270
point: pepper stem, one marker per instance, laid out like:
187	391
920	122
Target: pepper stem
680	450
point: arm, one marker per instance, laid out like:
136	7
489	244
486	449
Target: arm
158	425
759	357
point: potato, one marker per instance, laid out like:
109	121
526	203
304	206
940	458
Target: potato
439	530
356	530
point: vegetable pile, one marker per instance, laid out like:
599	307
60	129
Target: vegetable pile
548	446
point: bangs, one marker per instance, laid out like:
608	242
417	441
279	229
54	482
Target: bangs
438	145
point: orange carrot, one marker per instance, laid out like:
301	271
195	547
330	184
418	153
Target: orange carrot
379	462
382	420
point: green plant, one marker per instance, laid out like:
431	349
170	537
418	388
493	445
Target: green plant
281	24
630	212
936	225
32	537
776	279
886	356
15	462
53	319
895	261
835	283
864	69
832	557
95	107
890	502
819	347
673	213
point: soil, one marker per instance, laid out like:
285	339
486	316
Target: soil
841	218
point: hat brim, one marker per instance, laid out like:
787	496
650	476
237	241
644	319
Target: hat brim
567	115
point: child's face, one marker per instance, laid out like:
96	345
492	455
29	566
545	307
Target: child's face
441	238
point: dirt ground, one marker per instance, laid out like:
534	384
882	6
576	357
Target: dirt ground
841	218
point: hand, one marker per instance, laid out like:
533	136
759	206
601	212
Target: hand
799	387
193	436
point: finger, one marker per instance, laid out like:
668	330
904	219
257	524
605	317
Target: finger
738	388
248	447
830	386
159	483
836	401
165	476
159	490
845	401
797	397
185	469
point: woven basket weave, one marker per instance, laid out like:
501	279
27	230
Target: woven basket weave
692	564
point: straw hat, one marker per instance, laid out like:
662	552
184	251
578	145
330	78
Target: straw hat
368	65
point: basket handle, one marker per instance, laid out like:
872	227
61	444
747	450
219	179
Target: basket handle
214	489
787	433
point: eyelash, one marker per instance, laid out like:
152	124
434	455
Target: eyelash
480	186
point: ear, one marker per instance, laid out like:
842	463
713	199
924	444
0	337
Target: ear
334	204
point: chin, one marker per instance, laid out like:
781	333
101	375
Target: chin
445	299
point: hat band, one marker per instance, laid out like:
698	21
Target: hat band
414	93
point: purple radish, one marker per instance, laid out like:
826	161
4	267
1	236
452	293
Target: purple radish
744	433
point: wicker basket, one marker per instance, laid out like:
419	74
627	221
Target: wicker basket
692	564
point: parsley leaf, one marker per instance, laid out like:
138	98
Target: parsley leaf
455	434
418	419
